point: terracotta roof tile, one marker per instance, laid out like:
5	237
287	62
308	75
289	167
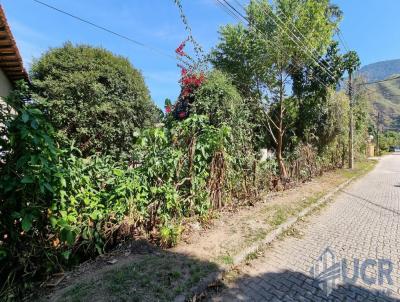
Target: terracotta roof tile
10	58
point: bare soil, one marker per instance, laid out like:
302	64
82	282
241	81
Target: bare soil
235	229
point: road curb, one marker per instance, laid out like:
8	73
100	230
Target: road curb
216	277
288	224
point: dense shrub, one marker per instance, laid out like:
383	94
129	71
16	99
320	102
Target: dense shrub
219	99
388	139
93	97
28	180
58	208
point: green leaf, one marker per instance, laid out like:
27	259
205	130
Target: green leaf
71	218
66	255
3	254
27	179
68	236
53	221
63	182
48	187
118	172
34	124
25	117
95	215
16	215
99	248
27	222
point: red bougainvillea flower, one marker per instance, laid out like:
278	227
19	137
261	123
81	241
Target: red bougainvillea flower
183	72
182	114
168	109
192	80
201	78
180	48
186	91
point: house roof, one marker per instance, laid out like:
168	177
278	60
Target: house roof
10	58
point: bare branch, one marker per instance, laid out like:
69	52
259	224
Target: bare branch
271	132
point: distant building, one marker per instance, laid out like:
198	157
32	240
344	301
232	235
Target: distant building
11	66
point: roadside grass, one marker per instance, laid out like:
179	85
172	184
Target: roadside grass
160	276
360	169
225	260
280	213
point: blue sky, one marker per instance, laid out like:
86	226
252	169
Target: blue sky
370	27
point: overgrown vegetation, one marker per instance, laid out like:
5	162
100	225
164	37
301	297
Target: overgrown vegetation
84	165
388	139
93	97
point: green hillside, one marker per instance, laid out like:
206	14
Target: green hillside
384	96
380	70
386	100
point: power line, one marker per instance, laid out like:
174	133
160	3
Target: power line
380	81
341	39
345	45
292	36
107	30
314	51
315	59
197	47
259	32
235	10
277	45
384	94
228	11
371	92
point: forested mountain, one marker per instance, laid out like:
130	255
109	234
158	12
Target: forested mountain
380	70
384	96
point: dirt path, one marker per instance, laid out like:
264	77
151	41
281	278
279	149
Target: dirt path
143	273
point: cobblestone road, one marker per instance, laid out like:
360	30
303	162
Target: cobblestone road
362	223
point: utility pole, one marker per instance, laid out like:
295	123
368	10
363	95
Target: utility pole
351	63
377	134
351	125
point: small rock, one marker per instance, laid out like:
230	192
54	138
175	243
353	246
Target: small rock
112	261
195	226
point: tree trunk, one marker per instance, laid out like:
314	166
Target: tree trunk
281	163
351	125
280	130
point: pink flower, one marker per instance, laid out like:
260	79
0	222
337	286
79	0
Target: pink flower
180	48
168	109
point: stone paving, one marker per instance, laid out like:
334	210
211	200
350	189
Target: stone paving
359	232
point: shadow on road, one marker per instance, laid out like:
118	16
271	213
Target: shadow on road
371	202
293	286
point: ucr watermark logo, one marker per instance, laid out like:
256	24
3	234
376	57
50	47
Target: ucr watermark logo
328	272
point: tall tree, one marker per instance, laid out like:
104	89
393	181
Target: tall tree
313	97
279	39
93	97
351	63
